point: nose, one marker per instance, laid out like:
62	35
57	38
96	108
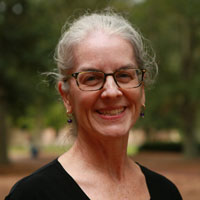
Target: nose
110	89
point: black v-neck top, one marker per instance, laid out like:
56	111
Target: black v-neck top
52	182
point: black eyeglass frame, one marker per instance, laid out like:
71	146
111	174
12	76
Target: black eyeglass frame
75	75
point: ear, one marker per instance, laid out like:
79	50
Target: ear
65	97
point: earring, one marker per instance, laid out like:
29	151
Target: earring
69	116
142	111
69	121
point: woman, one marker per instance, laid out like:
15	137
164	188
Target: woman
103	70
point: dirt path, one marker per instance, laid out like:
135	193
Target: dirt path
185	174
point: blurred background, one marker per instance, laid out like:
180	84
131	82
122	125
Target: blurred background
33	122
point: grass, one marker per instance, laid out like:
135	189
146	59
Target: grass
19	150
50	149
132	150
53	149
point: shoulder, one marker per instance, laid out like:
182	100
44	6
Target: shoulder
49	182
29	187
159	186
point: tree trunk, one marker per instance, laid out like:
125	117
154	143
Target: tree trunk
3	135
190	142
188	108
190	145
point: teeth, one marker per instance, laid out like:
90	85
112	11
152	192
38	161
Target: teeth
111	112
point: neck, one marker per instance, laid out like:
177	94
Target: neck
105	154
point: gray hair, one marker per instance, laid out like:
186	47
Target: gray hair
112	24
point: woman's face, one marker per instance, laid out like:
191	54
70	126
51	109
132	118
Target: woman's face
111	111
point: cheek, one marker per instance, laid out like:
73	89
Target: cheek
135	96
82	102
135	100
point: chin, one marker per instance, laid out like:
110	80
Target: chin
114	132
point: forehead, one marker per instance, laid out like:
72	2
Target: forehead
104	52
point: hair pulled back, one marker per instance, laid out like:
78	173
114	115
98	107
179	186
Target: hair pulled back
112	24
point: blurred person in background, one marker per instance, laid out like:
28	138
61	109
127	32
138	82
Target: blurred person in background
34	149
103	71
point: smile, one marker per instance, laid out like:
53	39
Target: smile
111	112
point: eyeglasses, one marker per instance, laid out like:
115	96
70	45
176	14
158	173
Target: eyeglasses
93	80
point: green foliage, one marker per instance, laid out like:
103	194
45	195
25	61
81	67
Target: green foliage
24	50
173	29
30	30
56	116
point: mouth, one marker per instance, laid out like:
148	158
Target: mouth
111	112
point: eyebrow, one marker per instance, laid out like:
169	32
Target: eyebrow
90	69
87	68
128	66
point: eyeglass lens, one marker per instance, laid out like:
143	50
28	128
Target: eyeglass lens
125	78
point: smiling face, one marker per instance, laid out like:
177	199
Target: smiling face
111	111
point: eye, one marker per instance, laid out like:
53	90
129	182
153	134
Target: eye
125	76
90	78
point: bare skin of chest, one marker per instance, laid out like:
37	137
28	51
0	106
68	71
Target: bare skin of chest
104	189
98	185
